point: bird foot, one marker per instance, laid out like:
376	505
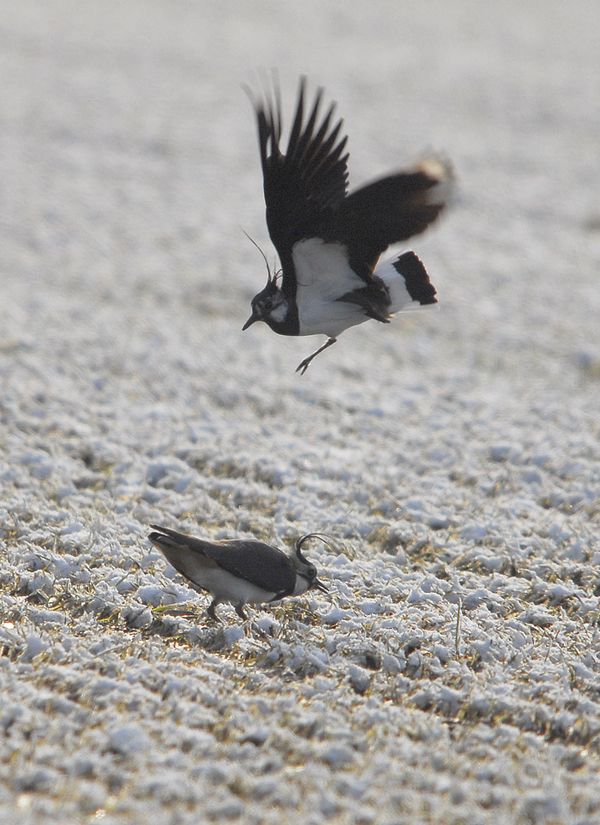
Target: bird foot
303	365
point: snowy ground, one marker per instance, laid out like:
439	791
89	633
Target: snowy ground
454	457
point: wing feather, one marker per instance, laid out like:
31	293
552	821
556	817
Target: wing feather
306	193
391	210
259	563
304	186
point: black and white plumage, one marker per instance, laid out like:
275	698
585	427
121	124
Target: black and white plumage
239	571
329	242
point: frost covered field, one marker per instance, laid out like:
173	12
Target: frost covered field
453	674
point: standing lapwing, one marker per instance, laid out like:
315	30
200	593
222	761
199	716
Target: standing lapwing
239	571
329	242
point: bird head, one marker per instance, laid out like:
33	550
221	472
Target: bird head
269	305
304	569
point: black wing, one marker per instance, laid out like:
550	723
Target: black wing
305	185
256	562
391	210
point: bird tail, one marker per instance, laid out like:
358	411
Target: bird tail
186	554
173	543
166	539
408	283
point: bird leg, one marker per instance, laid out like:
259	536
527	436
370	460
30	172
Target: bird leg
239	609
211	610
303	365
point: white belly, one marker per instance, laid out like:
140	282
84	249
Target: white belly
322	276
229	588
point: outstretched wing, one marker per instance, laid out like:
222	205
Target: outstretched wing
304	186
329	242
391	210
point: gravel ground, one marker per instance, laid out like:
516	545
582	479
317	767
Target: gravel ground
453	673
